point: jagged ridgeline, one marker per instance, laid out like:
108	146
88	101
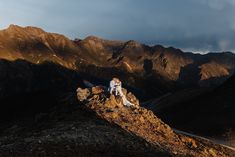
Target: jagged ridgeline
152	70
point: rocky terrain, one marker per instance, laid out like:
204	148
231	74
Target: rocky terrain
144	123
97	124
71	130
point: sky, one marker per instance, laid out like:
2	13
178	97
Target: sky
192	25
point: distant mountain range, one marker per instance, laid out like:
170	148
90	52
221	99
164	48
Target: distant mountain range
137	64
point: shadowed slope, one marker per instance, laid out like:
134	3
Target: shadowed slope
210	113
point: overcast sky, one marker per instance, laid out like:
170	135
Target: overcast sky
192	25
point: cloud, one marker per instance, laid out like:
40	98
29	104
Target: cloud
197	25
224	44
218	4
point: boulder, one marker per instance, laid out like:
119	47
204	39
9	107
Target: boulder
97	90
82	94
130	97
114	102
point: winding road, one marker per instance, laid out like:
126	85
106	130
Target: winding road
203	138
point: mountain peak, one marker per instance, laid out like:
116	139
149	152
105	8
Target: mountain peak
98	39
92	37
14	27
133	43
34	29
30	29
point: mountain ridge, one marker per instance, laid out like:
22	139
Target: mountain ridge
44	67
165	68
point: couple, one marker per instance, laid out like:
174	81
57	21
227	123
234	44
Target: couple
116	87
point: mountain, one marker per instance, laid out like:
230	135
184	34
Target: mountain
26	88
152	70
170	63
209	113
35	45
39	74
94	123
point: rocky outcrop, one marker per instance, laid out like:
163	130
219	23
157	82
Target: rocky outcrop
82	94
144	124
70	130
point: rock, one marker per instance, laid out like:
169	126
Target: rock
114	115
112	101
136	111
119	105
97	90
189	141
109	110
82	94
142	120
132	99
212	152
194	145
174	152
